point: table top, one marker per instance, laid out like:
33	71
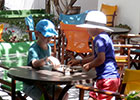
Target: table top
129	36
29	74
127	46
118	30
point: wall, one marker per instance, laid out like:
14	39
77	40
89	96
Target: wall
87	4
24	4
128	12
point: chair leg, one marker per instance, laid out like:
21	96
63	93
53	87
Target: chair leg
81	94
20	97
136	64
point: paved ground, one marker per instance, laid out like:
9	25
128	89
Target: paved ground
73	95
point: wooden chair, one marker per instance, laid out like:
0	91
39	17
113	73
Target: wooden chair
110	12
30	27
73	19
75	42
90	88
133	39
130	83
70	19
122	59
135	60
12	55
1	32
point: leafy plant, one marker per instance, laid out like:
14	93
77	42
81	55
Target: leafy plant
133	96
12	36
123	26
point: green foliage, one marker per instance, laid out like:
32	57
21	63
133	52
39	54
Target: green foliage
12	36
20	22
133	96
123	26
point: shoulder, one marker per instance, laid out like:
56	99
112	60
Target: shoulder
33	47
103	35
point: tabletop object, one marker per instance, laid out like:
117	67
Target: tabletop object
41	77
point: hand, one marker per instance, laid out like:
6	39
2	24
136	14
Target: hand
54	61
73	62
87	66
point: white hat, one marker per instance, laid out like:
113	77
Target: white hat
95	19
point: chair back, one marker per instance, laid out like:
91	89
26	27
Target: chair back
1	32
132	80
122	58
30	26
75	38
110	12
73	19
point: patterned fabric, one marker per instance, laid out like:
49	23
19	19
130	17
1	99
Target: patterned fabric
73	19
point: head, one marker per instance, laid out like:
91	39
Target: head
95	22
46	30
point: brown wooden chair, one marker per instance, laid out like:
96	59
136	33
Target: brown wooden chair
13	55
1	32
130	83
133	39
90	88
75	42
122	58
135	59
110	12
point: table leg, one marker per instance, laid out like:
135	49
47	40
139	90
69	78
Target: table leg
65	89
59	44
53	92
81	94
13	89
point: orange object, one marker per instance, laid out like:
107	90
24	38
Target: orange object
77	39
1	32
110	12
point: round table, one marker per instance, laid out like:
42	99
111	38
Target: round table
117	30
41	77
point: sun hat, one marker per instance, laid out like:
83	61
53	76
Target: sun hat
95	19
46	27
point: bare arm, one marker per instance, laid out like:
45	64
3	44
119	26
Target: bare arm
96	62
83	61
40	63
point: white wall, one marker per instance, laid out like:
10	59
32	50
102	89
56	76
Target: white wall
25	4
128	12
87	4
